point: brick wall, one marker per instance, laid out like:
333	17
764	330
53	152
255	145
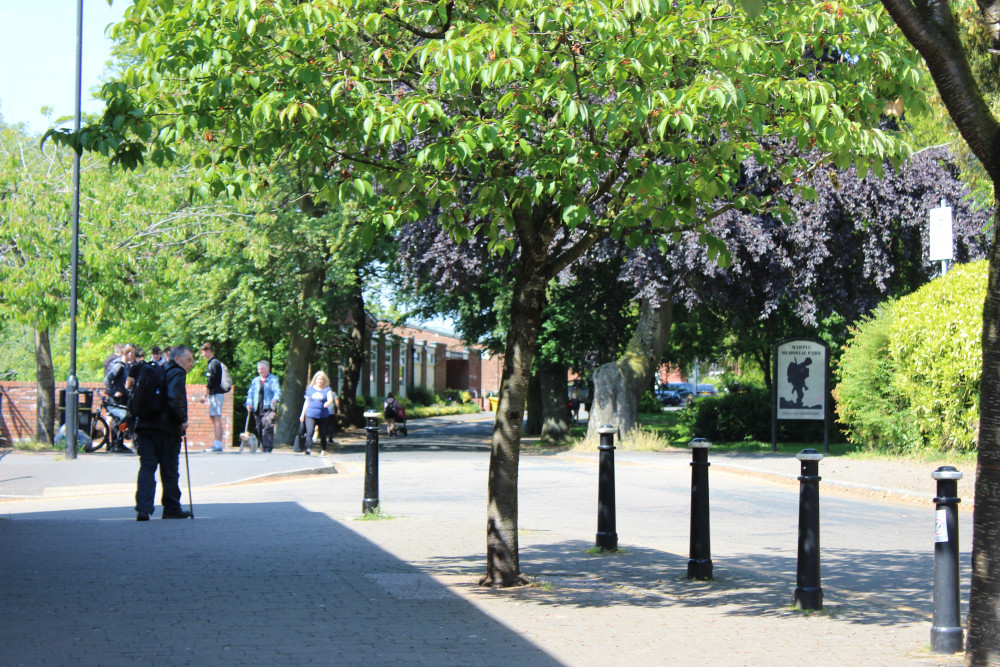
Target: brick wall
18	412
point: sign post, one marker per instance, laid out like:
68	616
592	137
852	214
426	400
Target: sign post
940	245
800	384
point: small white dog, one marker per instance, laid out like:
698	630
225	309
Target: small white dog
248	438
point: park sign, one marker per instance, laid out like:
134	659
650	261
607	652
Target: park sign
800	385
800	379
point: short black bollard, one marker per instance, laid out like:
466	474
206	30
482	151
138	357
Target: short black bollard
607	537
370	503
946	628
808	592
700	561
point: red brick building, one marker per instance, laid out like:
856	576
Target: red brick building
401	358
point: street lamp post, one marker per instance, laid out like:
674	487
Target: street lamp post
72	384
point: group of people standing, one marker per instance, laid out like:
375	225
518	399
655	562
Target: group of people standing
318	405
158	440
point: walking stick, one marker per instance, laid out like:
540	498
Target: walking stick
187	468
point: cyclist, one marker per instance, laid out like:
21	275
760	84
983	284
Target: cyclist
117	376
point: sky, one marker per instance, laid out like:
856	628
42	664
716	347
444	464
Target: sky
38	62
38	57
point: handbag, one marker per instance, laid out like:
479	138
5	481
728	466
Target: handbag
298	445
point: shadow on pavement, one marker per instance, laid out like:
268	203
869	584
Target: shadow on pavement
873	588
241	584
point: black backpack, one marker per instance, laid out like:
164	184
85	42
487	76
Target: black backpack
149	395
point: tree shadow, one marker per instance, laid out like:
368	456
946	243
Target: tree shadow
255	583
884	588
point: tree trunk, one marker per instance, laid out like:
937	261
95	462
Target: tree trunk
534	418
618	385
356	351
300	353
932	28
983	640
45	401
503	566
555	411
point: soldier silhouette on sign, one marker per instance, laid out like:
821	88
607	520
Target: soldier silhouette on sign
798	372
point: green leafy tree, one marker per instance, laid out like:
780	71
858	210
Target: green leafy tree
128	225
540	123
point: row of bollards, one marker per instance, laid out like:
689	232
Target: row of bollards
946	630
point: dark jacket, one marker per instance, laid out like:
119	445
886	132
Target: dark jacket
114	381
213	377
175	413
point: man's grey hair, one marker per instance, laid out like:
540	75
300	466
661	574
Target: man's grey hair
178	351
264	364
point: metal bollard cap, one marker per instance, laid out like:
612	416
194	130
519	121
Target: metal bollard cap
809	455
605	429
946	472
372	414
700	443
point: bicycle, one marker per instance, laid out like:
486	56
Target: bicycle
112	435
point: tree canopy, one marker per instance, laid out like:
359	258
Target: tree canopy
543	124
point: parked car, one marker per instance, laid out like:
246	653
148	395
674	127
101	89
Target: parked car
684	389
667	396
706	390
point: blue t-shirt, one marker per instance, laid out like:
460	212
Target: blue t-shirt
315	402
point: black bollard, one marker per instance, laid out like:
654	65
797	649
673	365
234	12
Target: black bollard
700	561
808	592
607	538
370	503
946	628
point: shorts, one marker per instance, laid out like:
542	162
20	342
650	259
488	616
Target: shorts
215	404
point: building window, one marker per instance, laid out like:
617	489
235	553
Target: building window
388	366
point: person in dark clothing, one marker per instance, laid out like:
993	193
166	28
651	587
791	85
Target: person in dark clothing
116	353
389	411
158	442
117	376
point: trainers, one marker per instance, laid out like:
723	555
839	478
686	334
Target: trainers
182	514
323	453
307	452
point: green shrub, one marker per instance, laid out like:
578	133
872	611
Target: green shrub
649	403
910	375
421	396
744	415
453	408
874	413
729	417
936	343
453	396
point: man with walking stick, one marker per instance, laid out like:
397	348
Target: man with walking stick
159	401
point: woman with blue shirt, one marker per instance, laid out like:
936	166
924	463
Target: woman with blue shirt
319	399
